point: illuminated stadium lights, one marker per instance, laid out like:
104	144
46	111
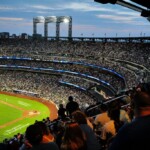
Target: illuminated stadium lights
49	19
65	19
53	19
38	19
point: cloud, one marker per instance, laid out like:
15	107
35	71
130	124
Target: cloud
84	7
72	6
115	17
10	19
133	20
6	8
130	13
42	7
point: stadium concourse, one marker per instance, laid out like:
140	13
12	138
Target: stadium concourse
92	72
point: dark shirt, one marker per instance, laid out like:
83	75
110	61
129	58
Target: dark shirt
92	142
133	136
45	146
61	113
71	107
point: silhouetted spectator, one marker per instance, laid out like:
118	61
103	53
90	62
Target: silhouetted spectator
71	106
47	136
61	112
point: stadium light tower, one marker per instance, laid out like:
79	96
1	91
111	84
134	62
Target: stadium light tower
49	19
66	19
36	20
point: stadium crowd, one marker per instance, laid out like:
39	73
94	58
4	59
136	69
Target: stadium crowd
75	130
114	80
116	126
44	85
88	52
44	49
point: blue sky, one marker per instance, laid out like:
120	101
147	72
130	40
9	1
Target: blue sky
90	19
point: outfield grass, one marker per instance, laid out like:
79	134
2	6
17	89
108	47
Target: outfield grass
12	108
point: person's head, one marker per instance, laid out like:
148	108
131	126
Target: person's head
141	99
43	127
74	137
70	98
79	117
114	114
34	134
103	108
144	87
61	106
114	104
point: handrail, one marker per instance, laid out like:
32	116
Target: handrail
107	102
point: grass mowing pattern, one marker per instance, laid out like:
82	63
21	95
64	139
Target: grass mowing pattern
8	114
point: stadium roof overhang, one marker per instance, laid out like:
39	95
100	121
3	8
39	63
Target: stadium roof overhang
144	3
142	6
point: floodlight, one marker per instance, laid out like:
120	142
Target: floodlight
66	20
50	19
39	19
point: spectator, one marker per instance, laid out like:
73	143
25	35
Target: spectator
34	134
101	118
61	112
47	136
92	141
4	146
74	138
110	129
135	135
71	106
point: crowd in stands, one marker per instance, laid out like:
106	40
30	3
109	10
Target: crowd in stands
89	52
115	81
74	129
124	51
115	127
44	85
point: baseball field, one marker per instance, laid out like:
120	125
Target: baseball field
17	112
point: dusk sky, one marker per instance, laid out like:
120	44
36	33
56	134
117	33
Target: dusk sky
89	18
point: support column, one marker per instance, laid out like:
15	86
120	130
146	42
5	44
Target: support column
57	30
70	28
34	27
46	30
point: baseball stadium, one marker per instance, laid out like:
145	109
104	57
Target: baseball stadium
39	74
